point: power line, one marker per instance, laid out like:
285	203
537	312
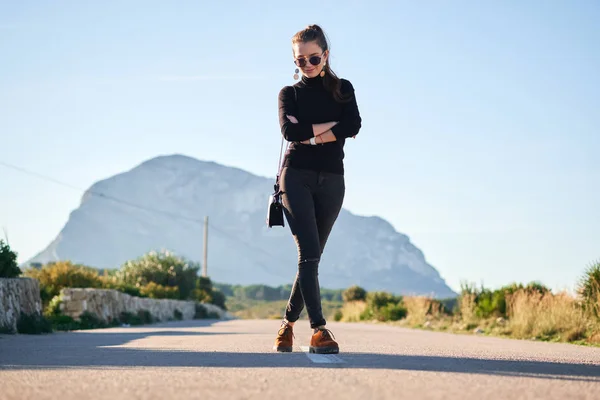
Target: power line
44	177
99	194
144	208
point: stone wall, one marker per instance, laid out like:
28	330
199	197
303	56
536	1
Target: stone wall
108	305
18	295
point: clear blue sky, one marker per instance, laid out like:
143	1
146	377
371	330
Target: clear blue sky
481	122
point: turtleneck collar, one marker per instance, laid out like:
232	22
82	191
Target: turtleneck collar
317	80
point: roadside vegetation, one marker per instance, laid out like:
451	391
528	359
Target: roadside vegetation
523	311
518	311
158	275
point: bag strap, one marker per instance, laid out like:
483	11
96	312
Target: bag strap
279	164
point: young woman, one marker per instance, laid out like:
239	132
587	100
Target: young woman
317	115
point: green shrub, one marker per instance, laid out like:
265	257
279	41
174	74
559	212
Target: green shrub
204	289
392	312
55	276
377	300
218	299
88	320
354	293
145	317
589	288
113	282
61	322
206	293
156	291
161	268
33	324
8	262
383	306
485	304
53	307
130	318
488	303
338	315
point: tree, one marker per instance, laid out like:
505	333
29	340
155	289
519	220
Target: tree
354	293
8	262
205	292
165	269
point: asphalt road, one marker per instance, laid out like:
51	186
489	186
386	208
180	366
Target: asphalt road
234	360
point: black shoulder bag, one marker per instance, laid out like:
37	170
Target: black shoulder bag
275	208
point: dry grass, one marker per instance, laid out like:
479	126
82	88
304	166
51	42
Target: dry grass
351	311
552	317
467	308
422	309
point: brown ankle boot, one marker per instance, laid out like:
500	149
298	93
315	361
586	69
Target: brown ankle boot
322	342
284	341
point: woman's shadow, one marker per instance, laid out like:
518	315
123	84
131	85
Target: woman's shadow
101	349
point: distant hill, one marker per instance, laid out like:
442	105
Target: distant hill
161	204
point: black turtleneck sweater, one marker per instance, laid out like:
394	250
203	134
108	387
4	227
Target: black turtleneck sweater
310	103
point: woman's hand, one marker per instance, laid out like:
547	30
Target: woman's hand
318	129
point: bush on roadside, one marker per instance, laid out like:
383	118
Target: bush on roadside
383	306
589	289
156	291
53	307
480	303
205	292
33	324
88	320
354	293
338	316
55	276
420	309
161	268
8	262
546	316
112	282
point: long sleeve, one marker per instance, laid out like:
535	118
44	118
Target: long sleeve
287	106
350	122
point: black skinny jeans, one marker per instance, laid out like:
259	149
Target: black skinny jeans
312	201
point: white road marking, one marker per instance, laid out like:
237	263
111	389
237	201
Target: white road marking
322	358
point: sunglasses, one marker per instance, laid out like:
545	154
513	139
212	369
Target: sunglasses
314	60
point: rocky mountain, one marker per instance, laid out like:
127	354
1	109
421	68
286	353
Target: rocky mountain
161	204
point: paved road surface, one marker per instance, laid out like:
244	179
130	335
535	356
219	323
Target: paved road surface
233	360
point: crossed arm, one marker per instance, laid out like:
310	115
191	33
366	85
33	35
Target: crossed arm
295	131
322	131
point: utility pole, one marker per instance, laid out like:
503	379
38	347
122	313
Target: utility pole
5	235
204	265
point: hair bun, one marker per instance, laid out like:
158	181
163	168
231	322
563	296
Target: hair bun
315	27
